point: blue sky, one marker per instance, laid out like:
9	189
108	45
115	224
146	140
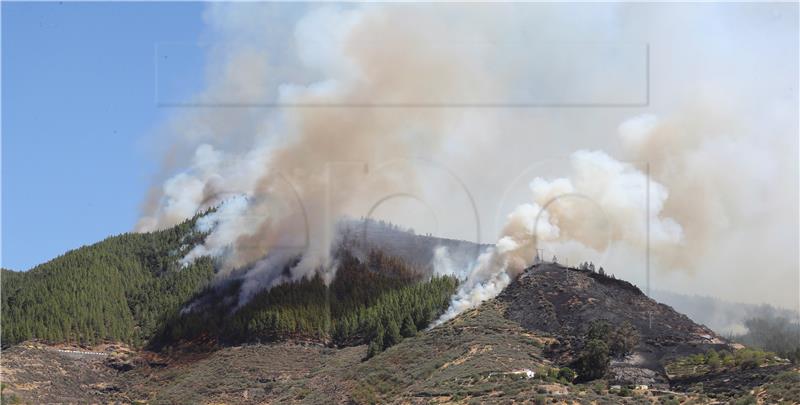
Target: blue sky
78	117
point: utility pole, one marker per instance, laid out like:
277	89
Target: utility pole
647	231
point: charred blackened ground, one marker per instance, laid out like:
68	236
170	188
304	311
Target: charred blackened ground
564	302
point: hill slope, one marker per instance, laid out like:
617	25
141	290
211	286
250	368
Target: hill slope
118	289
566	302
361	339
373	301
132	288
480	356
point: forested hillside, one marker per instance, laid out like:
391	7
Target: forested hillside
121	289
131	288
378	300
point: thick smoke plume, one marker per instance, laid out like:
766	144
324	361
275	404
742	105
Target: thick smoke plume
600	205
282	187
306	121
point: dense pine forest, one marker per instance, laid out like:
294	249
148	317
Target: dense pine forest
131	288
122	288
378	300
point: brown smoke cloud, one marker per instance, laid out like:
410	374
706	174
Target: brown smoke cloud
295	180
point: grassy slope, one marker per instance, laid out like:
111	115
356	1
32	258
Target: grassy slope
464	357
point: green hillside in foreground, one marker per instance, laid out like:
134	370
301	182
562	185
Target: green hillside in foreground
121	288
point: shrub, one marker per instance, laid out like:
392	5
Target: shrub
712	359
567	374
745	400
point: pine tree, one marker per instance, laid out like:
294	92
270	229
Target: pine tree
393	335
373	349
409	329
379	336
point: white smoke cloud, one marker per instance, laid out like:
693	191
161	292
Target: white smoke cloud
443	265
223	225
563	218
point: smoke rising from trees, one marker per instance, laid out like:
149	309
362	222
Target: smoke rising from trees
299	119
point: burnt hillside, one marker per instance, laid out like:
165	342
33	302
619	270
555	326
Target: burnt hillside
563	302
